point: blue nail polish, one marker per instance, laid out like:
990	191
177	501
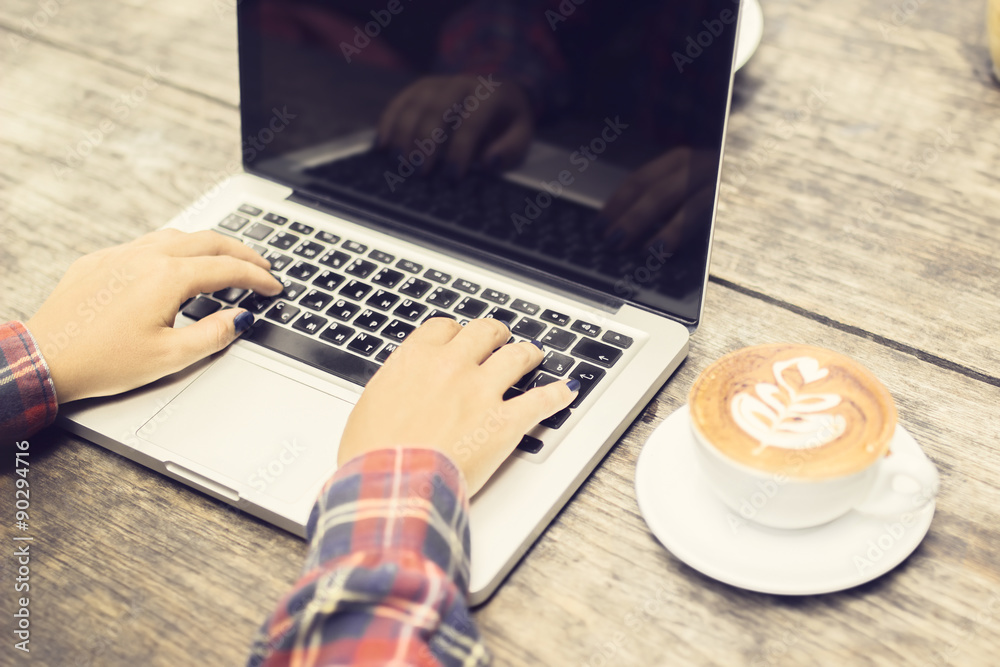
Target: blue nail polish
573	384
537	344
243	322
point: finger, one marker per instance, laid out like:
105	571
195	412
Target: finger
509	364
535	405
209	274
466	140
390	117
207	336
653	207
431	133
212	243
479	338
509	149
435	331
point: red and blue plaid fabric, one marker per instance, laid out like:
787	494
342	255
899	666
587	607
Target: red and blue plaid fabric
27	395
386	579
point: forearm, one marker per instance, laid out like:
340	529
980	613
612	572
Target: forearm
27	394
387	574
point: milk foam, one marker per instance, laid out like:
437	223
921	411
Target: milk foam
780	416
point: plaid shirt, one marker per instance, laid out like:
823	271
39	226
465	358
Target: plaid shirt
387	574
27	395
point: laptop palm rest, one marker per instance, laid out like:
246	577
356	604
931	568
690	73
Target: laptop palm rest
253	428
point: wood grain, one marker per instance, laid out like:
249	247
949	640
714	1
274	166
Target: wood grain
133	568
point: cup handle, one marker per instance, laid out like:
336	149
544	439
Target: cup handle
906	481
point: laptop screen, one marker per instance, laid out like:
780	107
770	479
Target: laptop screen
577	142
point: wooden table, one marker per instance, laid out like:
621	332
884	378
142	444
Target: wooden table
860	212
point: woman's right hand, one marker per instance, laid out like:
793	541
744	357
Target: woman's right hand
443	389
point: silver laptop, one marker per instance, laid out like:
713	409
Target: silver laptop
369	247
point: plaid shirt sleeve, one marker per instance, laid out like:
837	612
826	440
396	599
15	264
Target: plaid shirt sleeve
387	574
27	395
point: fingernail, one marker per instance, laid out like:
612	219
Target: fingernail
573	384
537	343
243	321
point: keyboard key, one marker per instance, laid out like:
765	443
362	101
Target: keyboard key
442	297
440	313
313	352
524	307
505	316
256	303
361	268
354	246
382	300
495	296
409	310
299	228
471	308
380	256
530	444
365	344
309	323
343	310
512	392
407	265
230	294
309	249
292	289
586	328
258	231
397	330
528	328
437	276
249	210
540	380
338	334
616	338
282	312
257	248
335	259
201	307
557	364
558	419
387	277
283	240
588	376
315	300
327	237
466	286
328	280
233	222
559	339
599	353
276	219
369	319
385	352
302	271
555	318
415	287
278	261
355	290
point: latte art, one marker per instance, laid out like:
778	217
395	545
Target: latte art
777	415
796	410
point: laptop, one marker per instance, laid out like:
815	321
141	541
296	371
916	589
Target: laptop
624	104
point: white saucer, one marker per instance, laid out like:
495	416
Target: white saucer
687	517
751	30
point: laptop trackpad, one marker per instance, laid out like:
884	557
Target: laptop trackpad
255	427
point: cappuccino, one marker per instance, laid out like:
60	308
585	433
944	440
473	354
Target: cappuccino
797	411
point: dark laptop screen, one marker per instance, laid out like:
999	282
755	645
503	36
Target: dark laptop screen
574	141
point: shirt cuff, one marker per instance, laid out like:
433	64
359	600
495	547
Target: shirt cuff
27	395
395	501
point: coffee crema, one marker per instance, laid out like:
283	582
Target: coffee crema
798	410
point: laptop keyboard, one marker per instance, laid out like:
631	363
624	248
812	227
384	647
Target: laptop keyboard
347	306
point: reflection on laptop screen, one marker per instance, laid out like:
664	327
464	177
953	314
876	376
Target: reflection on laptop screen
575	141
